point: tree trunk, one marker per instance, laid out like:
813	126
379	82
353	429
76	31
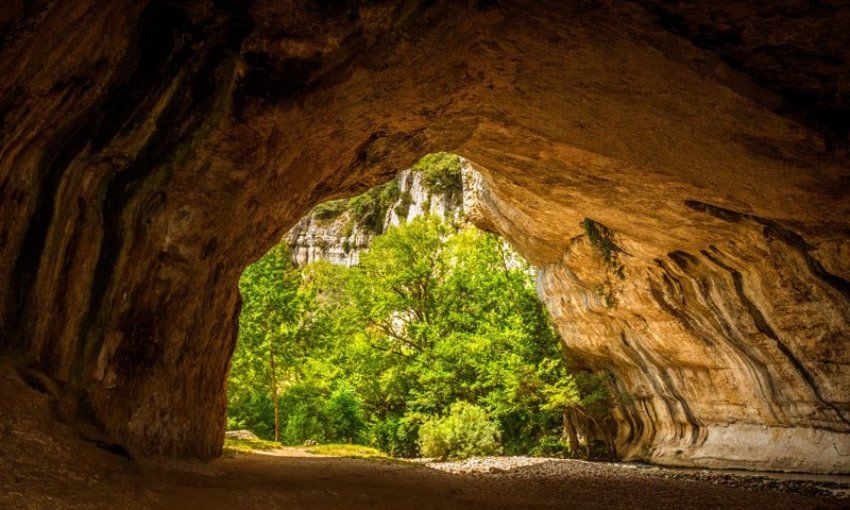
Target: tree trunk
570	431
275	399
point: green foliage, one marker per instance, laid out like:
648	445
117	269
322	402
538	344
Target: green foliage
369	209
252	410
344	415
303	414
563	393
441	172
330	210
437	326
268	342
398	434
551	446
403	206
596	400
602	240
464	432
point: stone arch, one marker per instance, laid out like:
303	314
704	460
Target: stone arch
152	150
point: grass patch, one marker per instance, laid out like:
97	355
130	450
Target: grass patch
345	450
233	446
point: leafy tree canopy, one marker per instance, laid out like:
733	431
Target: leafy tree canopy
439	324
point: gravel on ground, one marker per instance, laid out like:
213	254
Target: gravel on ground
827	486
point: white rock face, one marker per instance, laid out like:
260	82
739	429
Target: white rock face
341	240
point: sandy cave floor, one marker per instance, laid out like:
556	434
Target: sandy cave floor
46	464
309	482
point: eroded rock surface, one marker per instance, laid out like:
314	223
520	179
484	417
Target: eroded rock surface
728	355
150	150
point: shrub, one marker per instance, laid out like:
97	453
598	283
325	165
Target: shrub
302	414
328	211
397	435
403	206
551	446
367	209
601	238
464	432
370	208
441	172
344	415
254	412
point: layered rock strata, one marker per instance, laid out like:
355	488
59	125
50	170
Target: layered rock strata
150	150
731	354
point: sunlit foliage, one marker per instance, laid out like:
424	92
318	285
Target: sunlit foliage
438	320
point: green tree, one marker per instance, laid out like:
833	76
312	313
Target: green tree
436	317
274	325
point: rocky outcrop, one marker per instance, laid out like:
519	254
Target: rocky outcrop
342	238
150	150
241	434
730	354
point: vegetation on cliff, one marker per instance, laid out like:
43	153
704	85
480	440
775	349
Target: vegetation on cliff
441	172
441	175
367	210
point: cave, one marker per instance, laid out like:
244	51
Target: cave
150	151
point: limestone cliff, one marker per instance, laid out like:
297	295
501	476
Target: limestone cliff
150	150
341	238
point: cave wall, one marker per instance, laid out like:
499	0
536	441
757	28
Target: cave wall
728	354
151	150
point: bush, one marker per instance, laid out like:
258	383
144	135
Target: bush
344	415
254	412
551	446
403	206
370	208
328	211
441	172
302	414
466	431
397	435
601	238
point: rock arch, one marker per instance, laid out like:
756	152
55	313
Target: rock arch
150	150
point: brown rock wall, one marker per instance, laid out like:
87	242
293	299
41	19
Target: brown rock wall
150	150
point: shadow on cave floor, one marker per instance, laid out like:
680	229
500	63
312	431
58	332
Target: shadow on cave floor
46	464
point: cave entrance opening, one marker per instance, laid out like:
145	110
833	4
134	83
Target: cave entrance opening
387	323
